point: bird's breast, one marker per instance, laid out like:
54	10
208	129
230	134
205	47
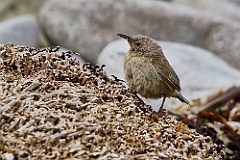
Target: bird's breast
142	77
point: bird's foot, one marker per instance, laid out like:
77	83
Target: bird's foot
161	112
156	115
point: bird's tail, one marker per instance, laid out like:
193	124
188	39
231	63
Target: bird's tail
181	98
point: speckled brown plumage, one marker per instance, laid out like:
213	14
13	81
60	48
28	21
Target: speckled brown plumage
148	72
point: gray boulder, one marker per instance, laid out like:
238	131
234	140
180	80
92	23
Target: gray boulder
201	72
226	8
86	26
22	30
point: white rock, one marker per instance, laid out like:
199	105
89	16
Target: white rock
22	30
200	71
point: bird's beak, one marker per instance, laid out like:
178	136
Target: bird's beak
124	36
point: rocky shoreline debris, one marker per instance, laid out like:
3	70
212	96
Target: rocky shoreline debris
52	108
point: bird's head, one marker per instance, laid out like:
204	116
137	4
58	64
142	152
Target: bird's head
140	44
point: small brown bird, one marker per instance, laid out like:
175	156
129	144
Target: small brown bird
148	72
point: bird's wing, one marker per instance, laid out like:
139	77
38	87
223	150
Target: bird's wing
167	73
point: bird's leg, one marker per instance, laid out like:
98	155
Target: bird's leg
139	99
161	111
162	103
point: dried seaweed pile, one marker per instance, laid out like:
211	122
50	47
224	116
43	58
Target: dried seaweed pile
219	117
51	108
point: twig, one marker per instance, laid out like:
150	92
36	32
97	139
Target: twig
231	93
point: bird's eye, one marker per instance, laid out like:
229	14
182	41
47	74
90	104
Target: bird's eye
138	44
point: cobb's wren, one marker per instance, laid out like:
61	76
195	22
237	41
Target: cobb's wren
148	72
